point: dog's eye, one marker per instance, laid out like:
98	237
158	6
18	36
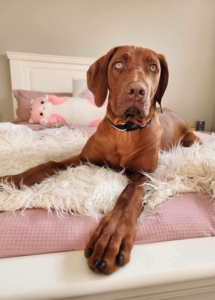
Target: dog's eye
41	114
118	65
153	68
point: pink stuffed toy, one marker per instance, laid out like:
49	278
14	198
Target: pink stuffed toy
43	110
74	110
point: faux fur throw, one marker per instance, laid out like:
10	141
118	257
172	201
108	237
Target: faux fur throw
88	189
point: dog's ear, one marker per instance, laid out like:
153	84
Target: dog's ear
97	80
163	80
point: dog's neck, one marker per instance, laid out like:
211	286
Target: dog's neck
128	126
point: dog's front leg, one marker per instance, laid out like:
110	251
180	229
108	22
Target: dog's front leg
40	172
110	245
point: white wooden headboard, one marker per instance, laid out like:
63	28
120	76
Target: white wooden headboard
45	73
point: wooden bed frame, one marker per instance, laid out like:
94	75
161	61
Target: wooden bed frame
179	270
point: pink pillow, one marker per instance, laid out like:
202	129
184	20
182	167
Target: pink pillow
24	98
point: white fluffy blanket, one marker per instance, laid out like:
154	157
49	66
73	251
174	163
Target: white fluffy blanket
88	189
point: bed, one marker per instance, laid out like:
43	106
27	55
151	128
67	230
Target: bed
181	267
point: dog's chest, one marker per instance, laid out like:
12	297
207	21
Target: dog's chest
131	152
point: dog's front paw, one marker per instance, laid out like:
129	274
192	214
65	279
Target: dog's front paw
111	244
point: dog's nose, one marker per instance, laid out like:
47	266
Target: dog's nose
136	90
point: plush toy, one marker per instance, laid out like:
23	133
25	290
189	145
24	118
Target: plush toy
66	110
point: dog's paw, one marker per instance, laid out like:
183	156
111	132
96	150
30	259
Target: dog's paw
111	244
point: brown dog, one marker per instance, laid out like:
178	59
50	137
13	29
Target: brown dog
130	136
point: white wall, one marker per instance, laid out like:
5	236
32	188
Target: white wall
183	30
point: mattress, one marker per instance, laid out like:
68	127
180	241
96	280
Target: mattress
36	231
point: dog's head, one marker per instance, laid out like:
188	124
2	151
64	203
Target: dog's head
135	78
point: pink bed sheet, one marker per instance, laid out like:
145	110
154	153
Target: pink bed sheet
35	231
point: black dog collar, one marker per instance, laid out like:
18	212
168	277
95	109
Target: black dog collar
128	126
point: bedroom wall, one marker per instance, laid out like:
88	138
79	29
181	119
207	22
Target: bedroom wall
182	30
